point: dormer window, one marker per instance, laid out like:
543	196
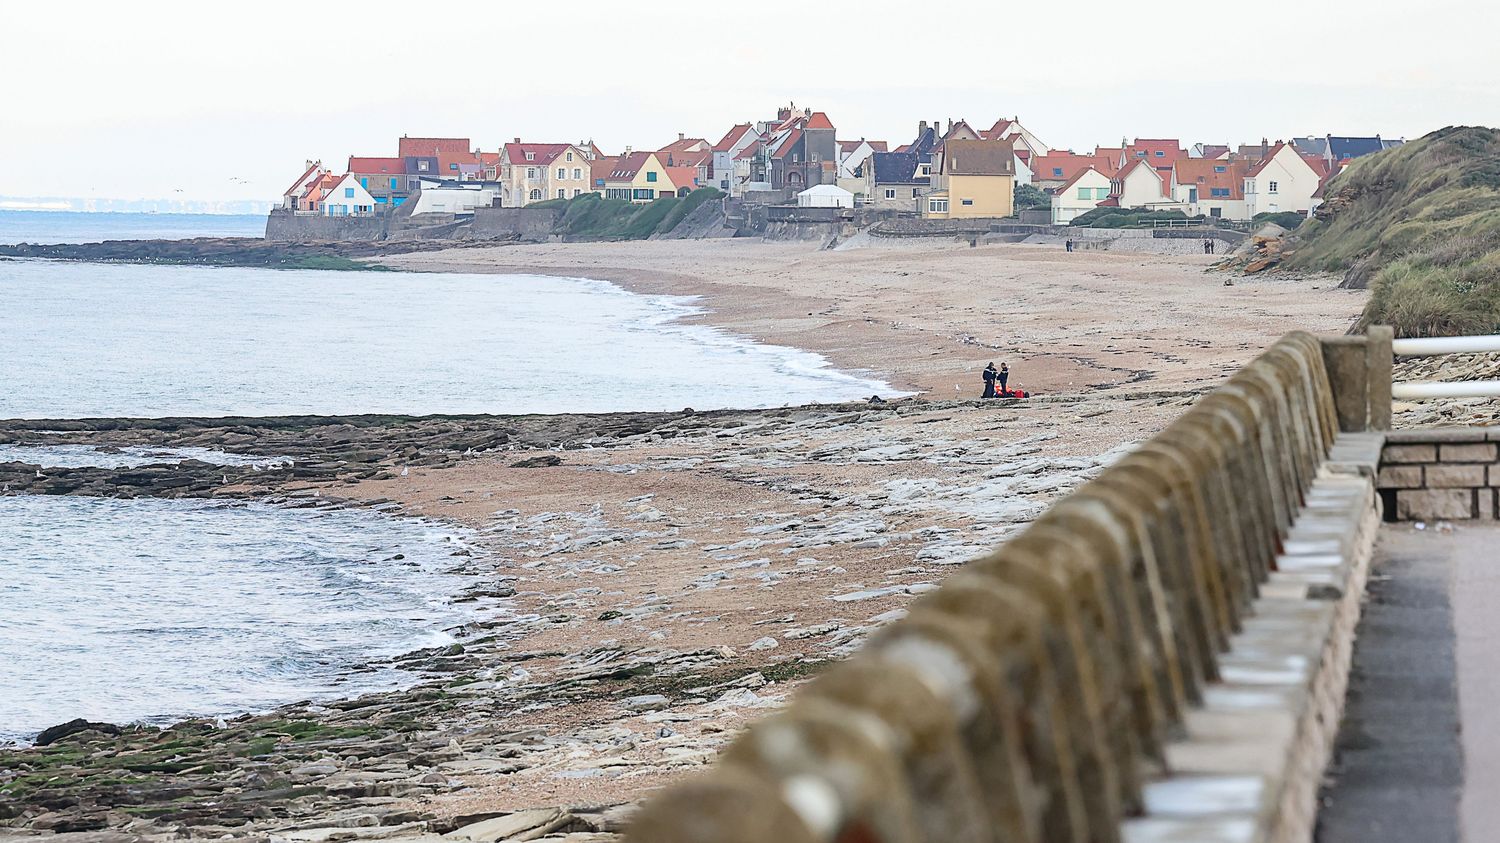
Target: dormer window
531	156
1160	154
1219	169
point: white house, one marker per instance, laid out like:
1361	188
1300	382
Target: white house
455	197
1211	186
825	196
1141	185
1078	196
1282	181
348	198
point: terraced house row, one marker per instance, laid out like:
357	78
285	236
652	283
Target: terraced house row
796	158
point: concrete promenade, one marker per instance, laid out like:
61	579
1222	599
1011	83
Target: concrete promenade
1418	754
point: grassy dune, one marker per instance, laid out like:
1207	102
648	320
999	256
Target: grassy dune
1420	225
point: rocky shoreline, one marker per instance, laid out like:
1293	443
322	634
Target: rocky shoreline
229	251
620	651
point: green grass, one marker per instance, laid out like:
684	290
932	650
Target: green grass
1420	225
592	217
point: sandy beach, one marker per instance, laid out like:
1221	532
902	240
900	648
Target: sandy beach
928	315
668	577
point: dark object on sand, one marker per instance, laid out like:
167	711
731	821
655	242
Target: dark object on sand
53	734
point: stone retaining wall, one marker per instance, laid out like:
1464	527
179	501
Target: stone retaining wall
1443	474
1161	656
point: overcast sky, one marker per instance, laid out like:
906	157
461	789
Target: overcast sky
224	100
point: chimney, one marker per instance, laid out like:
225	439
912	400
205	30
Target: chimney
517	140
681	136
1265	148
921	127
627	149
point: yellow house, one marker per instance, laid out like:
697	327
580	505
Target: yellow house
972	178
533	172
638	177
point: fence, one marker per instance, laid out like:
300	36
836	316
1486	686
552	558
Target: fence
1435	346
1031	696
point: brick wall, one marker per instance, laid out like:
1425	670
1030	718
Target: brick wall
1444	474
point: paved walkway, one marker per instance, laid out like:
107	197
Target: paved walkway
1418	755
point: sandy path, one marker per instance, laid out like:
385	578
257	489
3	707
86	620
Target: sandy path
927	316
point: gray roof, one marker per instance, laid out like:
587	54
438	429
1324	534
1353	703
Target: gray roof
896	168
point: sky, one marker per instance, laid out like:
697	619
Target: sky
225	100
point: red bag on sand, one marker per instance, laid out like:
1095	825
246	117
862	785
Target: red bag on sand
1012	393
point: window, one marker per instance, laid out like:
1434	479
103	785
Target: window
570	156
364	182
1085	192
563	194
530	172
914	193
643	193
577	192
890	193
1220	169
531	156
561	173
422	165
535	194
926	169
348	193
1057	172
453	166
1221	192
1271	188
1101	193
651	176
937	206
1160	154
966	201
577	172
394	185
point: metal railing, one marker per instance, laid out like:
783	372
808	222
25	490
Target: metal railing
1436	346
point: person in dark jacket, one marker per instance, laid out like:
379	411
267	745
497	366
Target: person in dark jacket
1003	375
989	381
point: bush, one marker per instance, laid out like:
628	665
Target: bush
1029	196
1288	220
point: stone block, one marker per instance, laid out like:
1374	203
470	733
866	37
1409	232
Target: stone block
1434	435
1455	476
1431	504
1409	453
1400	477
1494	471
1470	452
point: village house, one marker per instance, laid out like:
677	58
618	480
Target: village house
638	177
691	153
739	137
1283	181
1211	187
895	181
1052	171
456	196
533	172
972	178
454	157
347	198
292	197
383	178
802	151
311	200
1079	195
1139	184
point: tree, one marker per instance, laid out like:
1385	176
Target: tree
1028	196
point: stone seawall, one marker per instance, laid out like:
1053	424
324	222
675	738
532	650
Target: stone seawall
1443	474
288	226
1162	655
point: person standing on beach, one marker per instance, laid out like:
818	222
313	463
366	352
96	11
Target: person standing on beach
1003	375
989	381
1069	245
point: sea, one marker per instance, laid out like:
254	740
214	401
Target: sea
153	610
79	227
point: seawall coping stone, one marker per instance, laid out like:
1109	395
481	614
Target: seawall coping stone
1471	452
1433	435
